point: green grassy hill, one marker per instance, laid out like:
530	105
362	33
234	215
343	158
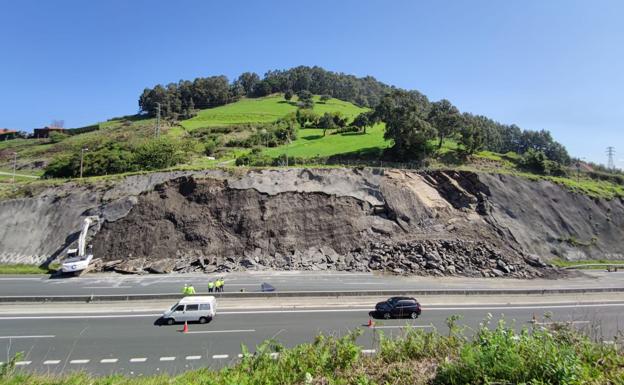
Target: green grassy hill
263	110
228	126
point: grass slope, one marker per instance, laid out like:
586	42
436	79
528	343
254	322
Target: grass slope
311	143
262	110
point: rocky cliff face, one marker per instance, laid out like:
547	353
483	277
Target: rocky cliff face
435	223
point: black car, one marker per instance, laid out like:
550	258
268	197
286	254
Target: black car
398	307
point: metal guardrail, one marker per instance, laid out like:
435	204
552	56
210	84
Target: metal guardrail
293	294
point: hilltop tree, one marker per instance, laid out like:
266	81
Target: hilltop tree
325	98
326	122
288	94
406	124
364	120
305	99
248	81
472	137
446	119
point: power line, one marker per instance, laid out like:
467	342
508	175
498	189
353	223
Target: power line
610	154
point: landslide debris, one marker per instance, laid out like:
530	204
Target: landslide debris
403	222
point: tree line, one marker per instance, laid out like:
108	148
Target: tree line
180	100
412	123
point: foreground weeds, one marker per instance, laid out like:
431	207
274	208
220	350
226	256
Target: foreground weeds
496	354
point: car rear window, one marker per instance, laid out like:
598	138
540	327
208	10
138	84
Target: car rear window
204	306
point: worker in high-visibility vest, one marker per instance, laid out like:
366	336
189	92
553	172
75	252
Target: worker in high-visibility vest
191	290
211	286
218	285
185	289
222	284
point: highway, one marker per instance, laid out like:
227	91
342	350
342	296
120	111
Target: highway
106	284
109	341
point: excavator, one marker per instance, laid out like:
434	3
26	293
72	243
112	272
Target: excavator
77	260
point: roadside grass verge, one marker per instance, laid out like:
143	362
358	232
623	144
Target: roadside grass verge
496	354
565	263
23	268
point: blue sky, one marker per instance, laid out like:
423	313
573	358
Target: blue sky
556	65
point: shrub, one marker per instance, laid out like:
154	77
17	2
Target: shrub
156	154
56	137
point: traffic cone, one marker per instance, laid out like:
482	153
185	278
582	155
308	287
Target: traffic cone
534	319
185	329
370	323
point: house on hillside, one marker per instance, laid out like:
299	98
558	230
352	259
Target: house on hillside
6	134
45	131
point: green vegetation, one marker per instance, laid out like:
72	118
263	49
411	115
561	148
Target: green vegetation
565	263
262	110
22	268
301	116
497	354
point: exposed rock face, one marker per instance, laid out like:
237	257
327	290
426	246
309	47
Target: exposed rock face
436	223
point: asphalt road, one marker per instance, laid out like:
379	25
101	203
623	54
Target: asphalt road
104	284
132	344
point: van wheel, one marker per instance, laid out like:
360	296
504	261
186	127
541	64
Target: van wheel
387	315
414	315
203	320
169	321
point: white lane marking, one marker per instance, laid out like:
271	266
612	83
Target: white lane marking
274	355
22	363
107	287
138	359
82	316
52	362
220	356
524	307
17	337
78	362
402	327
167	358
368	351
20	279
363	283
193	358
222	331
108	360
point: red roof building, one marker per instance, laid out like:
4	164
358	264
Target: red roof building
6	134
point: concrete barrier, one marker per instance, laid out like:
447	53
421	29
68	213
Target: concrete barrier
286	294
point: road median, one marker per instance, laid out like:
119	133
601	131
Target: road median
303	294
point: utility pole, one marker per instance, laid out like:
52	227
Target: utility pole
14	166
610	154
157	119
82	151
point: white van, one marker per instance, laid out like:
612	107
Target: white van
193	308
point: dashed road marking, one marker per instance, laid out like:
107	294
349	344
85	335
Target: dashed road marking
220	356
108	360
52	362
22	363
18	337
193	358
222	331
368	351
167	358
138	359
79	362
403	327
